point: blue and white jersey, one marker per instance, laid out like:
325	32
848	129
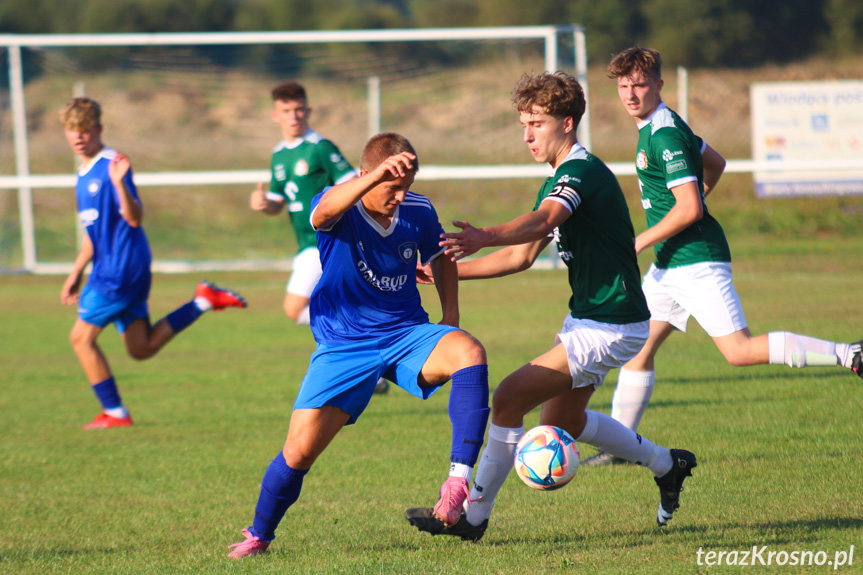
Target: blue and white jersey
368	288
121	254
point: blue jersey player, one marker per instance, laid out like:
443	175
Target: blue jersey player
368	322
119	284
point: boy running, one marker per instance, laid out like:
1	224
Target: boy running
692	273
119	285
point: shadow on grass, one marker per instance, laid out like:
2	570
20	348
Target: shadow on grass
40	556
745	535
752	374
739	536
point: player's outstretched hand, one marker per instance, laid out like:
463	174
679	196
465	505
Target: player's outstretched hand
394	167
119	167
258	199
461	244
424	274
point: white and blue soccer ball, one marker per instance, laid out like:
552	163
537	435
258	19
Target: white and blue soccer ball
546	458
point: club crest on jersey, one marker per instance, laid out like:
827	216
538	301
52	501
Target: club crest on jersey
94	186
279	171
335	158
407	251
301	168
641	160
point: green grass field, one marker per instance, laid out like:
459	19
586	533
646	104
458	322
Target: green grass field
780	455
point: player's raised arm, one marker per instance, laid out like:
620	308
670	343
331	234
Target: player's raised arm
504	262
339	199
526	228
130	208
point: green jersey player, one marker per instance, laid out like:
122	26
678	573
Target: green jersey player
303	164
692	271
581	207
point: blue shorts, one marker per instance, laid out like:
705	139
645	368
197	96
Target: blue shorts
100	310
345	376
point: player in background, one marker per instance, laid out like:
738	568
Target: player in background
119	285
368	321
692	272
303	164
583	209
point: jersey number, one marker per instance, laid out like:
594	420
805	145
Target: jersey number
291	190
645	203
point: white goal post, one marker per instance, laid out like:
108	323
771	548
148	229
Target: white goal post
552	57
25	182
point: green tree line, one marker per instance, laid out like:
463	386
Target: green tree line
698	32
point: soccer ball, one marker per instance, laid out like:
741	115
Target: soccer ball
546	458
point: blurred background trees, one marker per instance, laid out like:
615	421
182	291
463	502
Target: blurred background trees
708	33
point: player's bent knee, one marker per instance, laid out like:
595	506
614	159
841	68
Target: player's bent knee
141	353
297	459
467	351
80	340
502	404
737	357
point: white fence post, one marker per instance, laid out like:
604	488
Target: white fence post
22	157
683	93
580	48
374	105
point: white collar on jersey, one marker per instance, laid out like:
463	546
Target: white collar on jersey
576	153
649	119
385	232
309	136
105	152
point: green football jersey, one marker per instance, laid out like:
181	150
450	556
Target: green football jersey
300	170
596	242
669	155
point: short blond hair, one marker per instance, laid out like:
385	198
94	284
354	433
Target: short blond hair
559	95
382	146
81	114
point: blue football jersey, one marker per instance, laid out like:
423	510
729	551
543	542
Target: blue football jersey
121	254
368	288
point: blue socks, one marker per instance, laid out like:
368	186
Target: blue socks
280	488
468	412
183	316
106	392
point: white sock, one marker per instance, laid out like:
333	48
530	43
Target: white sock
801	351
494	466
631	396
610	436
118	412
845	352
460	470
304	318
203	304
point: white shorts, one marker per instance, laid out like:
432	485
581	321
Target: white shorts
306	273
704	291
594	348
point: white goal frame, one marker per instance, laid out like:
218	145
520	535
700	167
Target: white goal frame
25	182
